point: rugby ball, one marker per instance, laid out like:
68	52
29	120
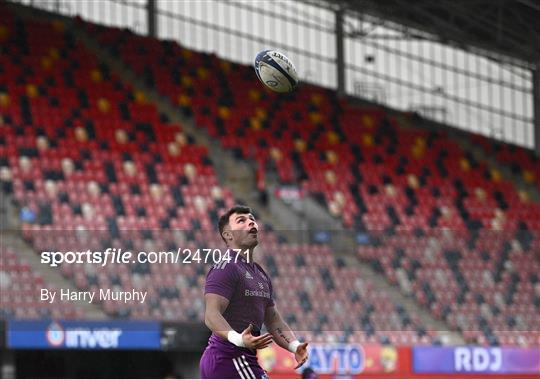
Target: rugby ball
276	71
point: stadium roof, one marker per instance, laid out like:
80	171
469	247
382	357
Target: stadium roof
509	28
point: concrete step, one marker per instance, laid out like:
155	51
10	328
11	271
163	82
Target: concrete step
9	213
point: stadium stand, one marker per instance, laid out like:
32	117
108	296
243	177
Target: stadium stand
488	289
83	157
403	185
20	287
100	167
521	161
328	143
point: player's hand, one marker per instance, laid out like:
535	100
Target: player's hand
256	342
301	355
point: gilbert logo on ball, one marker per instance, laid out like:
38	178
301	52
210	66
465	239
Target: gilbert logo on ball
276	71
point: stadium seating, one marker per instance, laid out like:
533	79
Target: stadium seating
101	168
486	288
522	162
20	292
350	155
404	186
86	154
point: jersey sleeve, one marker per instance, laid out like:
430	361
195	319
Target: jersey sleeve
271	288
221	280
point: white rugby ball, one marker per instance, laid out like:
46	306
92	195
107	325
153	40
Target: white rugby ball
276	71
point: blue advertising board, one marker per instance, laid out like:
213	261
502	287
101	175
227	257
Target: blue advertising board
480	360
86	335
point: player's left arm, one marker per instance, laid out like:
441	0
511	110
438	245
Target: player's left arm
284	336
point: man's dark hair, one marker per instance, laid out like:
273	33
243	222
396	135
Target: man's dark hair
224	219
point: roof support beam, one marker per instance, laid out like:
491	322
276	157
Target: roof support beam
152	18
340	52
536	108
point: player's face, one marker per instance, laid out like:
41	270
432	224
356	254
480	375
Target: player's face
244	229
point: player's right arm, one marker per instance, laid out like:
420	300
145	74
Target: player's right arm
213	315
214	320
